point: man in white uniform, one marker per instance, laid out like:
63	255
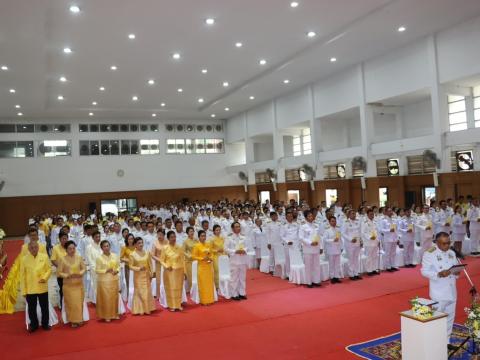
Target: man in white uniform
236	248
273	237
289	237
312	248
406	227
150	236
435	266
116	240
371	244
424	225
473	216
388	227
351	241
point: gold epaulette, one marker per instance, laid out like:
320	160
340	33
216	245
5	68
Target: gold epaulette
432	249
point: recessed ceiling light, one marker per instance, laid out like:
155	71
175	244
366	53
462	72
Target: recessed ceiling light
154	115
204	71
333	59
90	114
63	79
311	34
180	90
402	29
286	81
176	56
74	9
4	67
162	104
113	67
293	4
101	88
213	115
20	114
238	44
134	98
252	97
60	97
17	106
200	100
210	21
12	91
94	103
227	109
225	84
151	82
131	36
262	62
67	50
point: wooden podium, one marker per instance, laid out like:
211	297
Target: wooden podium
424	339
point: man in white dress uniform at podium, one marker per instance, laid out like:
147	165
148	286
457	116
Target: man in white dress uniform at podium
443	289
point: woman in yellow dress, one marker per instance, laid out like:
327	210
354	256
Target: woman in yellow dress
141	265
157	248
203	254
125	253
71	269
188	245
107	267
217	245
172	259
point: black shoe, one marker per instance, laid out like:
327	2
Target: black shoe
236	298
390	270
333	281
47	328
242	297
371	273
395	269
376	272
358	277
338	281
316	285
353	278
310	286
32	329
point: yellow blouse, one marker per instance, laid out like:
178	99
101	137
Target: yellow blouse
217	244
58	252
42	249
173	256
188	247
104	263
138	260
126	252
71	265
201	251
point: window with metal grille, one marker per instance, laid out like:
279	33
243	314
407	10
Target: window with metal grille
16	149
302	144
292	175
457	114
382	168
261	178
418	165
330	172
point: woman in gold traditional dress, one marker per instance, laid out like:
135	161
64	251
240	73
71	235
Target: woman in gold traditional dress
203	254
217	244
3	259
173	262
141	264
125	253
157	248
107	268
71	269
188	245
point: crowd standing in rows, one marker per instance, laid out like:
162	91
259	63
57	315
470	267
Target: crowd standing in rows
128	262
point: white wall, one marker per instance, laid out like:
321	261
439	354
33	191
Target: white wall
236	154
261	120
294	108
417	119
82	174
399	72
235	128
262	151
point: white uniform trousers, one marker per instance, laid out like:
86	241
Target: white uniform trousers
408	251
334	263
447	307
390	249
312	269
474	239
353	256
425	244
287	259
371	263
238	280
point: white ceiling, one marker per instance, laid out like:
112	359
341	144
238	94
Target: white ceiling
33	34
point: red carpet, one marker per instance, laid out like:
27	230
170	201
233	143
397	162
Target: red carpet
278	320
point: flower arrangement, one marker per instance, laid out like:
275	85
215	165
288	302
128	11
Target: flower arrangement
2	234
422	312
473	319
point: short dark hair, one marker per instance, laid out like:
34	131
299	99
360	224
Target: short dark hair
441	234
137	239
170	233
103	242
68	243
200	232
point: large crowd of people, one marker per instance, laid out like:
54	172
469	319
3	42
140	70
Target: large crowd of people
129	262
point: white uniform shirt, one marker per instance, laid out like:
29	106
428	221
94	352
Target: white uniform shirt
350	231
473	215
332	240
233	243
369	230
307	234
386	225
434	261
404	225
289	233
424	221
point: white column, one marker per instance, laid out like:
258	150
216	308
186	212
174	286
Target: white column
439	107
315	136
366	125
